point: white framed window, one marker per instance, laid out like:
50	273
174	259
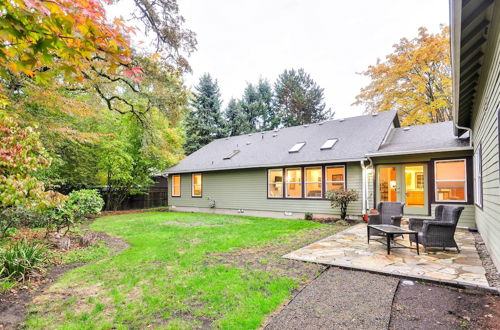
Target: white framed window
275	183
478	176
196	185
293	183
314	182
450	180
176	185
335	177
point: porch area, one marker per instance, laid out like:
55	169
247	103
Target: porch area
349	249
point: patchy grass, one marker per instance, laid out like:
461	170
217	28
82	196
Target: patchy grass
181	271
83	255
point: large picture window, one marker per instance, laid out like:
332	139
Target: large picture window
478	177
314	182
293	187
196	185
451	180
176	185
335	178
275	183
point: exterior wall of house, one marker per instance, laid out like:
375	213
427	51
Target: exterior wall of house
247	189
485	126
467	219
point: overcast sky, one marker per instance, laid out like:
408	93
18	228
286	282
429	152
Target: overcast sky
242	40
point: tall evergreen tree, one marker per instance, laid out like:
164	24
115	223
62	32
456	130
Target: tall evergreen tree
270	118
299	100
236	119
257	104
204	123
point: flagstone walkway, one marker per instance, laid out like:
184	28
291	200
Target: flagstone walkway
350	249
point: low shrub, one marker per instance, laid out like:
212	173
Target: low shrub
88	202
308	216
21	259
80	205
342	198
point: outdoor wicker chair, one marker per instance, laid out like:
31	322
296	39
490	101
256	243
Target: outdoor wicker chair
389	213
440	231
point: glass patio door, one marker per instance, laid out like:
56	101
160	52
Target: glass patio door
405	183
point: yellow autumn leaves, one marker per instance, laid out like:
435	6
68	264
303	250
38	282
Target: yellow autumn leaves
415	80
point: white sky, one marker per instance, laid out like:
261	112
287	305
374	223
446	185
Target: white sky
242	40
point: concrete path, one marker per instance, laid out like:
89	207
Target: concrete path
340	299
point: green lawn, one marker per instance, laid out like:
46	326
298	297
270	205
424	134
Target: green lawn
170	277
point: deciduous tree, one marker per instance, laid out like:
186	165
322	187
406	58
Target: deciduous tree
415	79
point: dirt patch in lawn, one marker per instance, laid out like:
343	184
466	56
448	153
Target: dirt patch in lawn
424	306
269	258
13	304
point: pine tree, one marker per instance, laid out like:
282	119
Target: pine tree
204	123
257	103
299	100
236	119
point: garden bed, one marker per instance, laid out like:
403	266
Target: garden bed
14	301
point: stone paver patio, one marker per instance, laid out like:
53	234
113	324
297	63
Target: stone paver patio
350	249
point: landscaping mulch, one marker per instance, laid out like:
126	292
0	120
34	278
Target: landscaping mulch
13	304
425	306
340	299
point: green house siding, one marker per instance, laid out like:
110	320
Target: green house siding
485	133
247	189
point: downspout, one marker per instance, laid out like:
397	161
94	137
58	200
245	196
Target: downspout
468	130
364	182
370	166
363	187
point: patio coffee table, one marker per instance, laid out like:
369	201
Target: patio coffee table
390	231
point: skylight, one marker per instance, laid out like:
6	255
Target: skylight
231	154
328	144
297	147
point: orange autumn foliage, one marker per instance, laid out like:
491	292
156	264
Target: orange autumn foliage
415	80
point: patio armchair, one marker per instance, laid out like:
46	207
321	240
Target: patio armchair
440	231
389	213
417	223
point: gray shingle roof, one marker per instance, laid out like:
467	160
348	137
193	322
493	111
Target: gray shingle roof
356	136
429	137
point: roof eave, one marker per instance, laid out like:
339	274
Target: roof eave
423	151
339	161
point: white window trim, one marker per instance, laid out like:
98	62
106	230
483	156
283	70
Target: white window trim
436	180
296	182
326	177
192	185
173	185
478	176
306	182
269	183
